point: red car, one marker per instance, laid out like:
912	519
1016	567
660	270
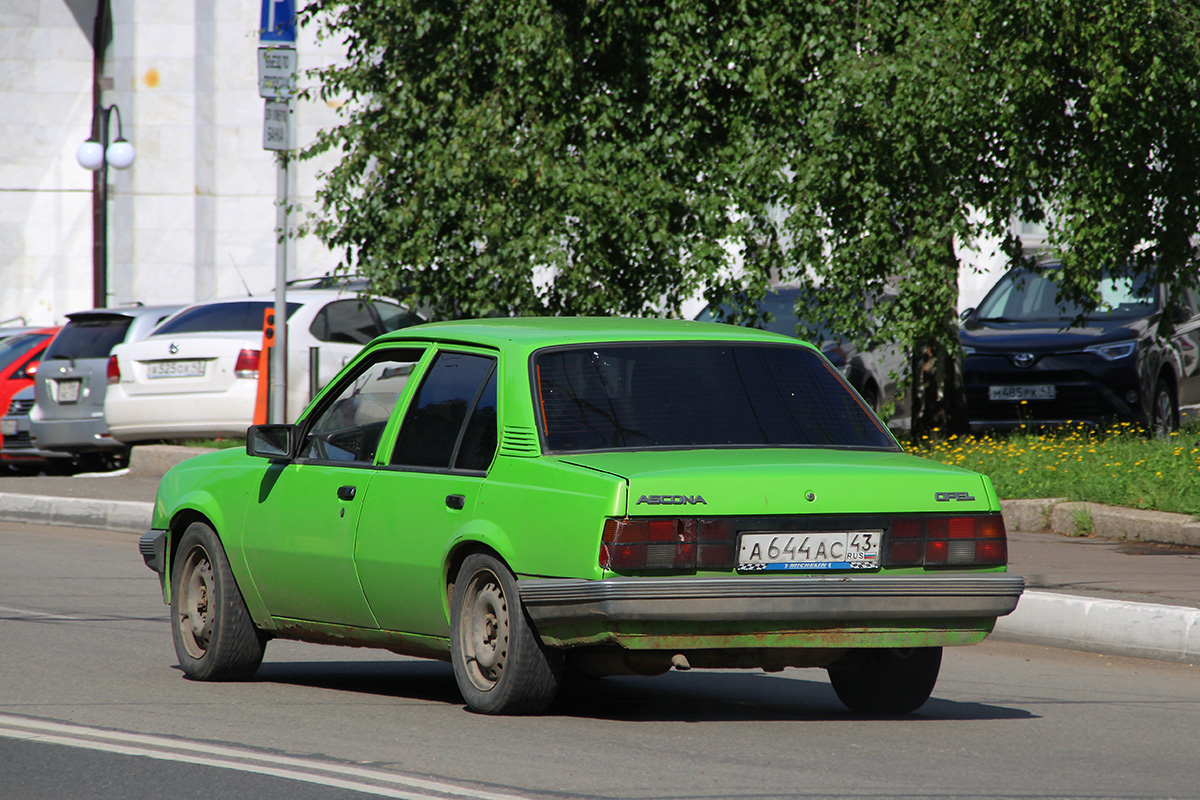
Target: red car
19	359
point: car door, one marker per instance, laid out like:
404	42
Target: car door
417	504
299	534
1187	343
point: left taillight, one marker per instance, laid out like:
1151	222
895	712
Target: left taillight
666	544
113	372
247	364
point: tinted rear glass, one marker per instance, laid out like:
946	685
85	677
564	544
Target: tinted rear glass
635	397
241	315
17	346
88	337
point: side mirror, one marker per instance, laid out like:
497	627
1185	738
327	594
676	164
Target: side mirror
271	441
966	312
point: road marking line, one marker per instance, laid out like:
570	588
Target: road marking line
24	612
287	767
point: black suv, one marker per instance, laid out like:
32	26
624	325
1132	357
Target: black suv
1026	363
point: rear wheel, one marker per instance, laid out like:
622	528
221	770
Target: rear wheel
215	639
895	681
499	663
1163	412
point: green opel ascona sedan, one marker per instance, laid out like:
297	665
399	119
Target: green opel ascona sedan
615	496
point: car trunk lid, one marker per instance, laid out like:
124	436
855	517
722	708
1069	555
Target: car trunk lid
768	482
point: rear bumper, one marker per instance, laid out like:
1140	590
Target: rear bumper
74	435
134	418
790	611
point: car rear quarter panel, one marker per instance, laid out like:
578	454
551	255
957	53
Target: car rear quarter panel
548	515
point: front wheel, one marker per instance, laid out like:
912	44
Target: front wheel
895	681
499	663
1163	411
215	639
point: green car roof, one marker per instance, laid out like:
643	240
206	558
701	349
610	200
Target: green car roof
531	333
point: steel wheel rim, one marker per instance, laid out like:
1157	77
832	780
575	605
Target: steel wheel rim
197	591
486	631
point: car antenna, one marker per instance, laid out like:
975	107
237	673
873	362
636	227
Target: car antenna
239	274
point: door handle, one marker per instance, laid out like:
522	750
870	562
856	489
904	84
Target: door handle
347	492
456	501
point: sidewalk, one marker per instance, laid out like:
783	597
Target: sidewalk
1137	595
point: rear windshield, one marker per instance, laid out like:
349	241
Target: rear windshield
240	315
636	397
15	347
88	337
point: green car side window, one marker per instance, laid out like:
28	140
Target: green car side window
349	428
451	423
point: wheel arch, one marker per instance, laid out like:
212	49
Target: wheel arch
175	528
455	557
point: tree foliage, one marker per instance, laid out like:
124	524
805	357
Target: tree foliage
550	156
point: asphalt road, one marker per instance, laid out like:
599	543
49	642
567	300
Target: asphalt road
92	705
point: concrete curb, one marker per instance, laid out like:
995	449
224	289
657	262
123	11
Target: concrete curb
122	516
1107	522
1142	630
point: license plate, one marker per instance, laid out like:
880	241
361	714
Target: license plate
68	391
8	427
1038	392
818	550
193	368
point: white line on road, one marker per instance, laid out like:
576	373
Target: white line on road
367	781
24	612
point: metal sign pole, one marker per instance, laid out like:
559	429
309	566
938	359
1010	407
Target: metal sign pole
279	351
276	83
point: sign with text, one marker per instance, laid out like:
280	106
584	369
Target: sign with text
275	125
278	22
276	72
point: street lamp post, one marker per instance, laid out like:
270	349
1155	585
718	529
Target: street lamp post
96	154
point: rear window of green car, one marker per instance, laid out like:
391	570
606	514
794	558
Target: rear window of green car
664	396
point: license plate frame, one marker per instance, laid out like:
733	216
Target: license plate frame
805	551
1017	394
176	368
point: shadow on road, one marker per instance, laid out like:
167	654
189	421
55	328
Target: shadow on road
698	696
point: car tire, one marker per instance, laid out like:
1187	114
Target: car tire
1163	413
215	639
499	663
886	681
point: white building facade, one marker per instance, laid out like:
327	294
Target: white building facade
195	216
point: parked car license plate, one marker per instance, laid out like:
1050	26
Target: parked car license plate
1036	392
8	427
67	391
192	368
824	550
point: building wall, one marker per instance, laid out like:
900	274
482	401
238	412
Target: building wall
194	217
45	197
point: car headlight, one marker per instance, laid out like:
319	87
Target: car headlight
1113	350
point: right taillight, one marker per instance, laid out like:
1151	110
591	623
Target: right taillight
113	373
247	364
935	541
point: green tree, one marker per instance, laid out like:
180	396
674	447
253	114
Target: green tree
550	157
591	157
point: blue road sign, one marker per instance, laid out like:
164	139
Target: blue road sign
278	25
